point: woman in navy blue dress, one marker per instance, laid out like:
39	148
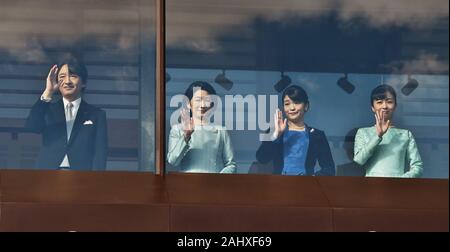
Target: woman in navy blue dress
296	147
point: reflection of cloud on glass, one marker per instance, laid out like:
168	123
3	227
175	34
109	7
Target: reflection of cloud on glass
126	42
424	63
204	46
439	82
31	31
396	81
197	24
309	85
29	50
411	13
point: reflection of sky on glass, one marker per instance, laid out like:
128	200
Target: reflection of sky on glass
209	18
398	37
27	28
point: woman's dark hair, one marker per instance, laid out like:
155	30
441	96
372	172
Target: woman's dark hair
296	94
202	85
76	66
379	93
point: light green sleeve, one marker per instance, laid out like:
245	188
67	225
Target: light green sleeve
177	146
413	158
228	156
364	146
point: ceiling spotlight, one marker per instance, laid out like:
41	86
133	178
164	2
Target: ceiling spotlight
168	77
410	86
223	81
282	83
345	84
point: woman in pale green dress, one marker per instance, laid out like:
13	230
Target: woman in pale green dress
196	145
384	150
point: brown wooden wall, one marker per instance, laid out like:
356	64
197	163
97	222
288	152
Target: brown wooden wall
132	201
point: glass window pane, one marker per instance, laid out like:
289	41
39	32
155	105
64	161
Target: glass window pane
114	40
338	52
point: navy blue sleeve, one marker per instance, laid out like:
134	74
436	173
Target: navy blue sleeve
101	143
326	163
36	118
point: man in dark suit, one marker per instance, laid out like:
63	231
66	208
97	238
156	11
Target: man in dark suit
74	133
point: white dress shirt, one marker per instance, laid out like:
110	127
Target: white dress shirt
69	124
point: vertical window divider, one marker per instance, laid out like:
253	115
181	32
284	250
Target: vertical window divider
160	86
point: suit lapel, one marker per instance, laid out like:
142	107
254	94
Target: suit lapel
60	116
81	114
309	157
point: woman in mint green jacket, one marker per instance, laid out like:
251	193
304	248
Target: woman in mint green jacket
384	150
195	145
